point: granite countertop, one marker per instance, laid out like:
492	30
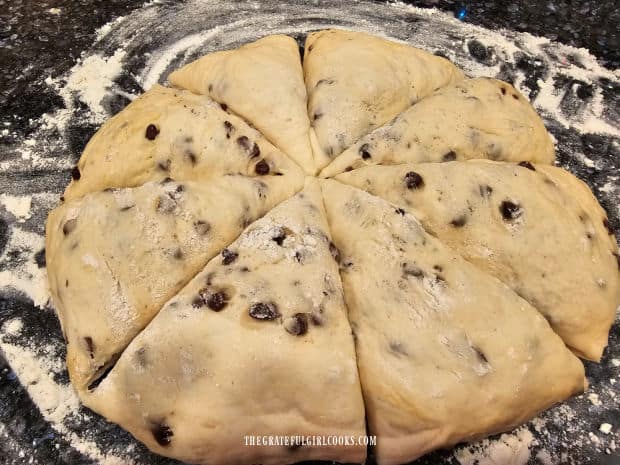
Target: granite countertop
40	42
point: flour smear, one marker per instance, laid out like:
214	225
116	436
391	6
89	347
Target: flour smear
130	54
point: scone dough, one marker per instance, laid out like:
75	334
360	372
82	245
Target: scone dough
535	227
257	344
475	118
263	83
445	352
356	82
115	257
174	133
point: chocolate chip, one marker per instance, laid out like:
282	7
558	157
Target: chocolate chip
279	238
364	152
450	156
398	349
164	165
335	252
528	165
217	301
140	356
400	211
438	268
255	152
126	208
178	254
75	173
317	115
348	168
413	180
202	227
503	91
510	210
223	106
459	221
412	270
297	325
607	226
515	96
162	434
90	346
69	226
166	180
151	132
485	191
229	128
243	142
480	355
262	168
191	156
229	256
264	311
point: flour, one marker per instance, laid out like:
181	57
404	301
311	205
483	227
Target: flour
19	206
509	449
90	79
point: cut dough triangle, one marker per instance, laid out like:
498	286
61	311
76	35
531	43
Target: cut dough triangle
446	353
262	82
115	257
257	344
357	82
174	133
539	230
475	118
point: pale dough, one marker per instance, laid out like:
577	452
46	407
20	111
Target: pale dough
115	257
553	250
191	322
356	82
174	133
205	372
445	352
475	118
263	83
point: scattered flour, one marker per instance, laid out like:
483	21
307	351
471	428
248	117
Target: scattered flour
19	206
509	449
91	78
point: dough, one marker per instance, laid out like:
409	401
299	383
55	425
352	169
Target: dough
475	118
445	352
177	134
357	82
263	83
549	243
257	344
199	288
115	257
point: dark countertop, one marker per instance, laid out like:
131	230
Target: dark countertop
35	45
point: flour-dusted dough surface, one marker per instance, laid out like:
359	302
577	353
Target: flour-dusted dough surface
357	82
263	83
205	373
446	353
475	118
115	257
549	244
174	133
